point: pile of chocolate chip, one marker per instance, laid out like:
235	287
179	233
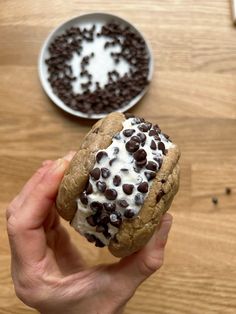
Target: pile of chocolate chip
114	208
119	90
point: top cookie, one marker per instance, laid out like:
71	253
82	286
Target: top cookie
122	179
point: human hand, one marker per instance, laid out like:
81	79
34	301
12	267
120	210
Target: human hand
49	273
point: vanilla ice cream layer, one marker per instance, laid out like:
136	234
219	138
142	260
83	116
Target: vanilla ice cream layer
121	177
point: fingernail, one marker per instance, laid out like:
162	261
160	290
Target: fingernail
69	156
47	162
57	164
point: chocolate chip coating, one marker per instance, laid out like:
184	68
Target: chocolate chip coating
128	188
99	243
89	189
90	237
83	198
143	187
96	206
105	173
136	139
140	155
109	207
150	175
128	132
161	146
129	213
123	203
117	180
112	161
139	199
115	220
152	132
142	137
132	146
116	150
110	194
91	220
141	163
95	173
151	165
145	127
100	155
101	186
103	218
153	145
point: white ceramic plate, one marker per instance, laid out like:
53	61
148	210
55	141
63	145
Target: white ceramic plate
99	68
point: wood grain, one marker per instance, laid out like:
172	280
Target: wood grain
192	96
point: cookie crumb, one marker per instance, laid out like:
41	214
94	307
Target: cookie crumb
214	200
228	190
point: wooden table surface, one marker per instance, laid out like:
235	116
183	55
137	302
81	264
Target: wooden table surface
192	97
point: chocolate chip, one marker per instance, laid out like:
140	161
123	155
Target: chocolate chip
123	203
145	127
166	135
143	187
159	161
128	132
150	175
142	137
151	165
106	234
116	150
83	198
161	146
163	181
96	206
228	190
95	173
124	169
109	207
129	115
153	132
117	136
141	163
128	213
132	146
153	145
100	155
112	161
99	243
159	195
110	194
89	189
156	127
128	188
140	154
214	200
105	173
103	219
157	137
117	180
136	138
115	220
90	237
91	220
101	186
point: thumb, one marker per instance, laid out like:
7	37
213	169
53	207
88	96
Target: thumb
137	267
